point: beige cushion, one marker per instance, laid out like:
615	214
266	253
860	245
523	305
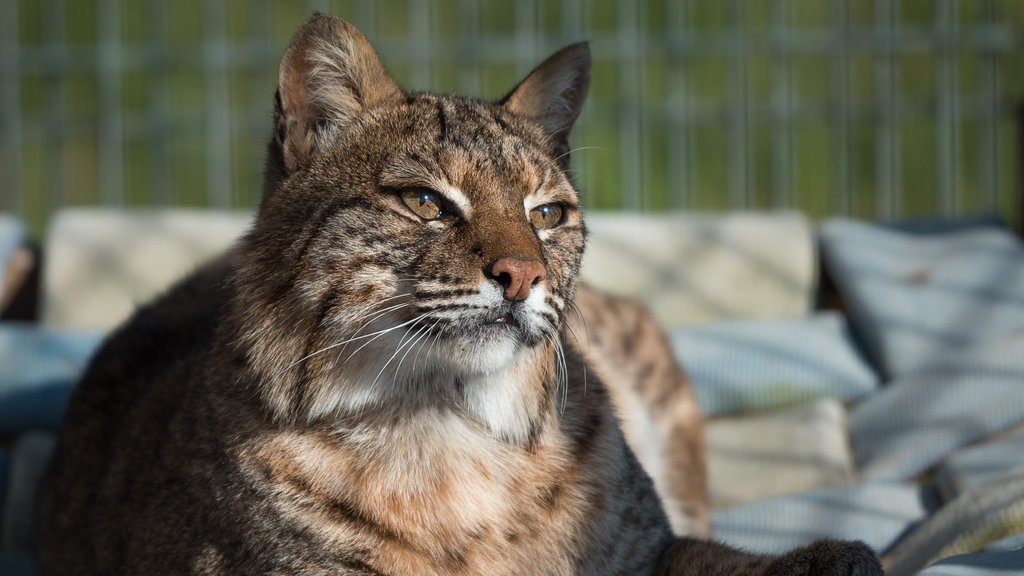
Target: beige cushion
690	269
99	264
695	269
767	454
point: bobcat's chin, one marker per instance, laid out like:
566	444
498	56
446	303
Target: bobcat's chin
484	353
481	347
489	335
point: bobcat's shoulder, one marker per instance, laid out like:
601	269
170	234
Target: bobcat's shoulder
627	349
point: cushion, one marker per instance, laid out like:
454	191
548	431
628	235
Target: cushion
773	453
920	419
877	513
742	366
915	298
976	466
102	263
694	269
38	369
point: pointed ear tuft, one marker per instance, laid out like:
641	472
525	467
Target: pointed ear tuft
553	94
328	76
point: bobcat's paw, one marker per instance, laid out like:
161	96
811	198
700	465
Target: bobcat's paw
828	558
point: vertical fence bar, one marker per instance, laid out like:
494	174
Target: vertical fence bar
418	21
55	131
895	104
643	115
840	112
690	115
886	134
323	6
946	156
468	53
111	129
366	13
218	113
993	90
525	36
159	109
630	154
781	105
572	27
677	107
262	84
989	116
582	163
573	30
10	110
739	178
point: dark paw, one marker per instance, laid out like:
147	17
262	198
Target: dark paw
828	558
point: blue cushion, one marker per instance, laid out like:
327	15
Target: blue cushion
38	369
916	298
877	513
918	420
742	366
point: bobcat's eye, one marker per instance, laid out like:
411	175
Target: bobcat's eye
547	216
423	203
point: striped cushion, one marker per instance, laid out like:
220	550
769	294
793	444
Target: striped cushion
743	366
918	298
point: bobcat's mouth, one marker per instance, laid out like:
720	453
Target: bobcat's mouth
503	319
508	322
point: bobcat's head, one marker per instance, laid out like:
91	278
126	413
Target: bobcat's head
410	248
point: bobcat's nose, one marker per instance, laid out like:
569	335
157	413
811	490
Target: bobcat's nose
516	276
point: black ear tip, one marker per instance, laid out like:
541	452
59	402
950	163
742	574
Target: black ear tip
319	18
320	24
579	51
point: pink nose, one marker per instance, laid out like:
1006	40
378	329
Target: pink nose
517	275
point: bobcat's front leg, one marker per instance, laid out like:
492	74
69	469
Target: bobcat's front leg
691	557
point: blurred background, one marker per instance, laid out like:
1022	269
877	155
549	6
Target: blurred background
878	109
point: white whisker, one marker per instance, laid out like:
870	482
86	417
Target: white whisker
564	154
380	333
335	345
433	343
404	342
573	334
423	332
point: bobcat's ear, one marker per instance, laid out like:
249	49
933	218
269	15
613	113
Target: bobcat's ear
553	94
328	76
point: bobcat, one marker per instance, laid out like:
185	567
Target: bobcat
380	378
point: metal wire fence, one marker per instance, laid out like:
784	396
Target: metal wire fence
874	108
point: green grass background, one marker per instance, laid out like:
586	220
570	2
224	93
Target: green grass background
61	110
